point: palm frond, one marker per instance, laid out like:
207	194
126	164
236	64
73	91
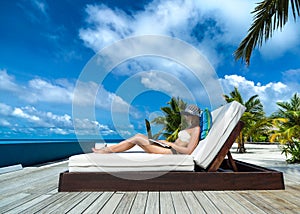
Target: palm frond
269	15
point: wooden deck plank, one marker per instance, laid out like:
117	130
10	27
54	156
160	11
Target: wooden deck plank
85	203
67	205
290	197
152	205
34	189
245	203
30	203
58	205
21	202
166	203
38	179
235	205
206	203
126	203
39	206
8	201
216	198
192	203
279	203
179	203
112	204
139	204
253	197
97	205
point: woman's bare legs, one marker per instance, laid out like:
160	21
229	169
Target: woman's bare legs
138	139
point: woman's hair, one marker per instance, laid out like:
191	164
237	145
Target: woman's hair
195	120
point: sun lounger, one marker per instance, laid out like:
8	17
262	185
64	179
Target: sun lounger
205	169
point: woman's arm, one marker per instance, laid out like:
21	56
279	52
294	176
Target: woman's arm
192	144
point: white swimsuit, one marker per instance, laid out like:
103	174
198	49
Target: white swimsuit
184	136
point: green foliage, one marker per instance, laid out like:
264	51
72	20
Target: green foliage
171	120
287	127
269	16
256	123
293	150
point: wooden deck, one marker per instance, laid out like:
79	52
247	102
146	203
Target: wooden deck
34	190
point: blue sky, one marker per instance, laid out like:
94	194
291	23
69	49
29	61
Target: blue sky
45	46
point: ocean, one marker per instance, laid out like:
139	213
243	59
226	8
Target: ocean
30	152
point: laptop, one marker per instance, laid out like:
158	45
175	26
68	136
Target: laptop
150	137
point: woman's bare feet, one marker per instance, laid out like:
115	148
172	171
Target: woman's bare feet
103	150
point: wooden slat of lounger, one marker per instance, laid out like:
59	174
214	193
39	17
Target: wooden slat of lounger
166	203
173	181
216	163
193	203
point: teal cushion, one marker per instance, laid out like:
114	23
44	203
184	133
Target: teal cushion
205	123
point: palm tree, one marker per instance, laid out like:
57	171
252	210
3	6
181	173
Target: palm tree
287	128
254	117
171	120
269	16
287	121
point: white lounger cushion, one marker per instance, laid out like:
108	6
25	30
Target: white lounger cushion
225	119
119	162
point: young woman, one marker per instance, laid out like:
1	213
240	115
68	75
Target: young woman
186	142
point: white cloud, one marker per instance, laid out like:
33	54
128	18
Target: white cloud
20	113
205	24
7	82
167	83
41	6
269	93
28	120
41	90
88	127
61	91
4	123
90	93
292	75
5	110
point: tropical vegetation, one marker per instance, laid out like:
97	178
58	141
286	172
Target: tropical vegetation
269	15
171	120
283	126
253	118
287	127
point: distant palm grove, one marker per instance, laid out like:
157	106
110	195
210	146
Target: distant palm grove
283	126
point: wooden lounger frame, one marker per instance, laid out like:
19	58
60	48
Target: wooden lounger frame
222	174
